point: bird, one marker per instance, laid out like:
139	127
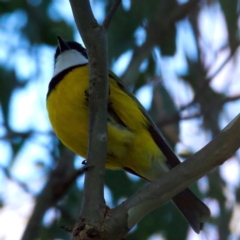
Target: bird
134	142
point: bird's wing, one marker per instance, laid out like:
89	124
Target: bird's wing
172	159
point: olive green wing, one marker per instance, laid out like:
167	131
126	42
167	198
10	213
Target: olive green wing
172	159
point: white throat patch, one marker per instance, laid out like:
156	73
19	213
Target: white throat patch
68	59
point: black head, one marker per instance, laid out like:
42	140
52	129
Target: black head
64	46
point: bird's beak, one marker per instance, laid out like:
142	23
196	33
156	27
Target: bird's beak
63	46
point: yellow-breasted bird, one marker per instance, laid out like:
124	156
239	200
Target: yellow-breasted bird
134	142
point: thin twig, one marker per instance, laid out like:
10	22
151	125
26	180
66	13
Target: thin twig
220	67
180	12
230	99
177	117
112	11
15	180
207	81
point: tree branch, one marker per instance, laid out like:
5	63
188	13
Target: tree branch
177	117
85	20
59	181
95	39
180	12
113	9
144	51
155	194
21	184
207	81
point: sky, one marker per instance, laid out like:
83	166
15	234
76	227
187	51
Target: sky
28	110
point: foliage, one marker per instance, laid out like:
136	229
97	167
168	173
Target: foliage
30	25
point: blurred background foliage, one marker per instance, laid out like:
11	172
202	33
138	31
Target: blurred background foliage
181	58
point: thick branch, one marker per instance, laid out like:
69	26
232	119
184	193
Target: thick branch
85	20
212	155
95	39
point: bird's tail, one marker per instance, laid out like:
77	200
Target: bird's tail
192	208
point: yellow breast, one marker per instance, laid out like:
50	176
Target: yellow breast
67	106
